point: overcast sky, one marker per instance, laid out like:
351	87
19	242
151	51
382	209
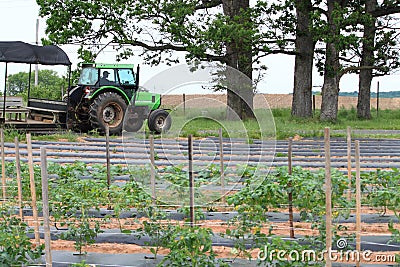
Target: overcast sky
18	20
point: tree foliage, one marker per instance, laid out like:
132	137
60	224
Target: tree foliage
49	85
237	34
230	32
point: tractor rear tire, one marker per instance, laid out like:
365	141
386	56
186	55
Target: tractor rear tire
159	121
108	109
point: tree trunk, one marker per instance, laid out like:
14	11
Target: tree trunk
367	61
303	67
330	89
239	54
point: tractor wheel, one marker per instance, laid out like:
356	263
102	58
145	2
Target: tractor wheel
159	121
133	124
108	109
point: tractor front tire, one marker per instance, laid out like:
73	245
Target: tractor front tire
108	109
159	121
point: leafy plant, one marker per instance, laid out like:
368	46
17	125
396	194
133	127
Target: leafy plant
160	230
82	232
192	246
15	246
382	189
308	191
71	203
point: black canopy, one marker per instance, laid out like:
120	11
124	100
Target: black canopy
20	52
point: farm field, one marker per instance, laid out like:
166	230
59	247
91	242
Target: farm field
89	215
283	101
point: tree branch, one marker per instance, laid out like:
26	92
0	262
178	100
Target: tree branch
277	51
384	11
208	4
353	69
165	47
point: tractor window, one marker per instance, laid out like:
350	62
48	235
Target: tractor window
107	77
126	77
88	76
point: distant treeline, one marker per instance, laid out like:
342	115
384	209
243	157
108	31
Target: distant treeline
391	94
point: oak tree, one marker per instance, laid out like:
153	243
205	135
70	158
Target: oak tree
226	31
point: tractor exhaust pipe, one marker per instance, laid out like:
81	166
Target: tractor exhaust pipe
137	77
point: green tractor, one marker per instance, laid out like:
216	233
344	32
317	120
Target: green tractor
109	94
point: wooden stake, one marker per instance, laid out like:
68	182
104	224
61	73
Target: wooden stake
191	181
45	198
349	161
184	104
358	199
222	168
3	165
33	189
313	105
19	180
152	170
108	156
377	99
289	186
328	193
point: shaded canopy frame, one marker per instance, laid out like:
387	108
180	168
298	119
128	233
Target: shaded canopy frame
20	52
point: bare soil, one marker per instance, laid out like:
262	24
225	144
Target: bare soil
273	100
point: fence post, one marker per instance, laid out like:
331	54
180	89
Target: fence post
358	199
184	104
328	194
3	165
222	168
33	188
349	160
108	156
289	186
152	170
191	180
45	199
377	99
19	181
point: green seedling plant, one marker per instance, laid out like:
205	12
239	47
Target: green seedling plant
12	189
159	228
178	179
198	213
71	203
83	233
124	198
191	246
253	202
15	246
382	189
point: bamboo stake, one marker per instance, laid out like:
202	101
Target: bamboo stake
152	170
191	181
328	193
19	180
45	198
108	156
349	161
184	104
222	169
290	194
3	166
33	189
358	199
